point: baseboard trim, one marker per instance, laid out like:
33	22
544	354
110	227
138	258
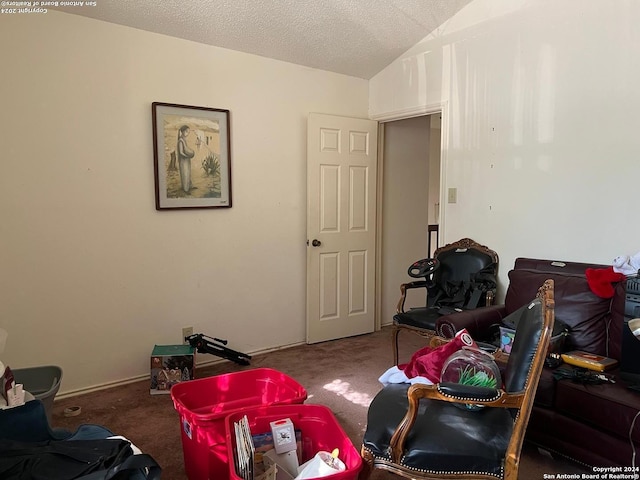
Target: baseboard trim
145	377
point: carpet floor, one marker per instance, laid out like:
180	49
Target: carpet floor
341	374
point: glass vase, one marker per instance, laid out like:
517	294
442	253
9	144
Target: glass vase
472	366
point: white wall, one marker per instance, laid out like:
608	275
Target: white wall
541	124
92	276
404	209
435	148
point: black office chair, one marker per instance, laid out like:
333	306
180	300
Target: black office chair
461	276
427	431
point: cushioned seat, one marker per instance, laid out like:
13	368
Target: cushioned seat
435	442
611	409
462	276
454	430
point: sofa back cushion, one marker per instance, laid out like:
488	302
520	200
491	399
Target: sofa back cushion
586	314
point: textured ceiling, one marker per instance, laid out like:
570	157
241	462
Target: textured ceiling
353	37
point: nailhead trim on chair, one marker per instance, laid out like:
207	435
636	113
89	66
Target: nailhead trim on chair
422	470
496	397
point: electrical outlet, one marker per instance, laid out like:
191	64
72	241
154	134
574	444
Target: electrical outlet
186	332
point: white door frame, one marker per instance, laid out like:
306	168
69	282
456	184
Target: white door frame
442	109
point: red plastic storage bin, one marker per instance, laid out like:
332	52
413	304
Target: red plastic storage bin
319	428
203	405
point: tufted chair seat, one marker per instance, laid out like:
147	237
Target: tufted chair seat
427	431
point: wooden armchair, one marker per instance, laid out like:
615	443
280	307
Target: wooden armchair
462	276
425	431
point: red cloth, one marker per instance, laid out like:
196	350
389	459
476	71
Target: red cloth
428	362
601	280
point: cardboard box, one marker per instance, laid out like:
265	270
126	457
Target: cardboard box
171	364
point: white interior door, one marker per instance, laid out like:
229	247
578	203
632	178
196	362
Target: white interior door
341	204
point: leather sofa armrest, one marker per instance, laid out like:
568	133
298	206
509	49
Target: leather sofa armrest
477	322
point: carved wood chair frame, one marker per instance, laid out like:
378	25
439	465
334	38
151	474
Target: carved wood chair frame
465	243
522	401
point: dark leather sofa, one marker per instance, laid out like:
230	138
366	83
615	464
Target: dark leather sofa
593	424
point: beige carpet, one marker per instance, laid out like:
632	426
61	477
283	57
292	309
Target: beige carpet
340	374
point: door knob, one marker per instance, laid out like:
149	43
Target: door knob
316	242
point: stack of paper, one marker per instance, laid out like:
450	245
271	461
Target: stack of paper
245	451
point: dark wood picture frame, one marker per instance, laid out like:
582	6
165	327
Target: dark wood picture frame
191	156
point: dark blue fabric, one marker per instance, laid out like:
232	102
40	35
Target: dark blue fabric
95	432
62	459
91	432
29	423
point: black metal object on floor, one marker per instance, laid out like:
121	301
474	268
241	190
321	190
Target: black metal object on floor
216	346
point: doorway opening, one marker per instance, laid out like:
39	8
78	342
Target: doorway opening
410	168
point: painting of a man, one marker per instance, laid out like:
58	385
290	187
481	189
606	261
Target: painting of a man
191	156
192	160
185	154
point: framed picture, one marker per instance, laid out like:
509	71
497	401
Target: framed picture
192	156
